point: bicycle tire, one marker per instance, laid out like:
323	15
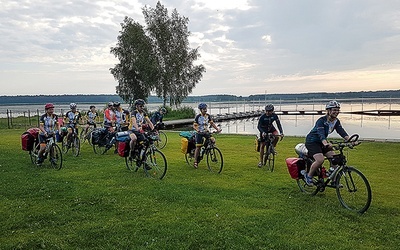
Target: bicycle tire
99	149
215	160
304	188
64	144
82	135
89	136
189	157
162	140
155	165
56	158
269	158
353	190
34	154
131	164
76	146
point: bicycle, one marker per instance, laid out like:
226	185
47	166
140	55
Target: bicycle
149	157
74	143
162	137
215	160
52	149
269	152
352	187
86	135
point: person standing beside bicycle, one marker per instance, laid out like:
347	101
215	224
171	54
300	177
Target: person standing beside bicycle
48	125
201	124
90	118
316	140
265	126
109	117
72	119
139	121
157	117
121	117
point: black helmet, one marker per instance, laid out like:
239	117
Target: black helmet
140	102
269	107
116	104
202	105
164	110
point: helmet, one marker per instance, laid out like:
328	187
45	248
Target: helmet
332	104
269	107
116	104
164	110
48	106
110	104
202	105
92	106
139	102
72	105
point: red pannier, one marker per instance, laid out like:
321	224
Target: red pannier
295	165
123	148
28	138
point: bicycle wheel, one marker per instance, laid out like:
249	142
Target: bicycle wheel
162	140
131	164
99	149
64	145
189	157
89	136
56	159
353	190
155	164
311	190
215	161
34	154
271	158
83	135
76	146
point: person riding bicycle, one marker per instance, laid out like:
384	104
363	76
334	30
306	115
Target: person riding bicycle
90	117
202	121
316	140
157	117
121	117
109	117
48	124
265	126
72	119
139	122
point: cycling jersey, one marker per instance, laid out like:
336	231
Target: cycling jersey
49	123
109	117
323	128
140	119
265	123
156	117
201	123
72	117
91	116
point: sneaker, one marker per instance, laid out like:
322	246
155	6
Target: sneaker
39	161
260	164
307	179
195	165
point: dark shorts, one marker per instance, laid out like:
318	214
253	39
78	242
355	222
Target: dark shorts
140	137
200	138
316	148
264	139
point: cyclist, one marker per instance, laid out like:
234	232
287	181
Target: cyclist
109	117
72	119
202	121
139	121
316	140
265	126
121	117
48	125
90	118
158	116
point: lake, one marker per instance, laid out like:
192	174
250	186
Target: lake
369	127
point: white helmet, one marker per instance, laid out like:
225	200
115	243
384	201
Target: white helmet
332	104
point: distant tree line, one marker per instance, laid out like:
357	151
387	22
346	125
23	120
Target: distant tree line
64	99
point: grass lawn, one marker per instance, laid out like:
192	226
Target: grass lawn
94	202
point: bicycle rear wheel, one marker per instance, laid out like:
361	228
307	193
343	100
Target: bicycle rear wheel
162	140
310	190
56	159
131	164
34	153
76	146
155	165
215	161
353	189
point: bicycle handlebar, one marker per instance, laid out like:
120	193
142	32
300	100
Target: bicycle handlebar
350	143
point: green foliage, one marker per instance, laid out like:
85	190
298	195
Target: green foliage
94	202
180	113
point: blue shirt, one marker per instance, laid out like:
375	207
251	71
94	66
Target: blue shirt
265	123
323	128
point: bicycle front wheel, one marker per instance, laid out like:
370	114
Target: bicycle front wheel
353	189
215	161
65	146
99	149
34	154
76	146
56	159
269	158
162	140
155	165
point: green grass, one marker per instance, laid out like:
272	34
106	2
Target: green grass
95	203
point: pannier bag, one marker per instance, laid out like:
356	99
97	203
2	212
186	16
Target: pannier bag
295	165
123	148
28	138
98	135
123	136
184	145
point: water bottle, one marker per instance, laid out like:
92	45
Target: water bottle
330	171
142	153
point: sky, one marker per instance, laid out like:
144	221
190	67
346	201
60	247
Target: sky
247	46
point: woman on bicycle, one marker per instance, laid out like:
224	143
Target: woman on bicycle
265	126
121	118
48	124
316	141
90	117
109	117
72	118
139	120
201	123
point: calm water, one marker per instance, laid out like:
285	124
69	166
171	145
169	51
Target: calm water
369	127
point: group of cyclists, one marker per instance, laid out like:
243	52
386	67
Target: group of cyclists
115	116
138	121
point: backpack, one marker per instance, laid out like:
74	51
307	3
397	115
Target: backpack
295	165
